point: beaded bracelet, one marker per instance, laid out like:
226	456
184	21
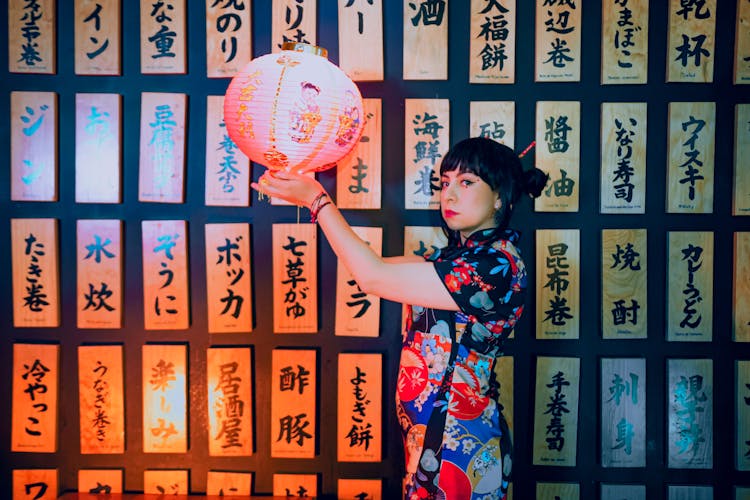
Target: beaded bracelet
317	204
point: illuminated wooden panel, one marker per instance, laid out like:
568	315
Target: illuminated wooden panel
164	398
360	405
623	159
690	168
165	275
557	491
504	375
228	37
423	240
558	265
161	166
98	148
293	405
361	39
32	36
227	168
690	401
741	288
34	404
492	49
556	411
165	482
741	493
690	286
741	199
494	120
33	146
623	492
426	141
35	484
229	484
295	278
36	278
557	42
357	313
295	485
623	412
425	47
742	403
624	283
558	144
99	273
97	37
228	278
690	492
359	180
360	489
624	42
101	399
230	402
100	481
742	44
293	21
163	37
691	41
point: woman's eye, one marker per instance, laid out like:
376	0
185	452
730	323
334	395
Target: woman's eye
467	182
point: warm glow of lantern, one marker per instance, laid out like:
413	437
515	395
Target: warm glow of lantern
293	110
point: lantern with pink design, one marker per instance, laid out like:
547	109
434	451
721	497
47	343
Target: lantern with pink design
293	110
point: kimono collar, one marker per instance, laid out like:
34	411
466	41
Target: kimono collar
489	236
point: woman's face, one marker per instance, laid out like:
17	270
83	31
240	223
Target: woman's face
467	203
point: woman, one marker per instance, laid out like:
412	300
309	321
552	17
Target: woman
465	300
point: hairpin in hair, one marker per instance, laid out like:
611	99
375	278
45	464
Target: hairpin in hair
528	148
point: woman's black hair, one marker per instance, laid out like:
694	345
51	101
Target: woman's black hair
498	166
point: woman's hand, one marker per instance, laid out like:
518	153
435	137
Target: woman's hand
297	189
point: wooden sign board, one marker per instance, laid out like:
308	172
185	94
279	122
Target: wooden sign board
32	37
98	148
741	288
558	42
100	481
229	484
558	264
36	278
228	37
166	299
558	144
494	120
690	400
101	399
359	174
624	284
358	313
163	37
99	273
623	492
164	398
35	484
295	278
162	148
97	37
423	240
293	404
426	141
623	159
742	434
690	492
165	482
741	493
624	42
742	44
623	412
556	411
690	283
361	40
492	49
228	170
741	199
360	489
295	485
229	278
293	21
230	401
558	491
504	375
690	169
33	146
360	405
34	405
691	42
425	47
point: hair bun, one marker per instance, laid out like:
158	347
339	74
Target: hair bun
534	181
